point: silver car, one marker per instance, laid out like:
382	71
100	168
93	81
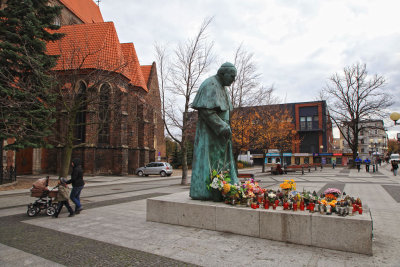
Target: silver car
160	168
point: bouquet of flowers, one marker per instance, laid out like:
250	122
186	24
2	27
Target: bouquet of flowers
333	191
219	180
288	185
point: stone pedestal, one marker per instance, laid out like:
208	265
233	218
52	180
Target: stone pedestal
351	233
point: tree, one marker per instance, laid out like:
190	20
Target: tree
263	127
353	98
393	146
26	108
276	131
181	76
246	89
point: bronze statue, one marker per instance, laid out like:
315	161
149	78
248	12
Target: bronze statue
213	142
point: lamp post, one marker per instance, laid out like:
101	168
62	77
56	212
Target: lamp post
395	117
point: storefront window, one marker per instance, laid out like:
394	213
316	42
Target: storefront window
306	160
297	161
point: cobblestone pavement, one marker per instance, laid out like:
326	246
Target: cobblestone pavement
113	231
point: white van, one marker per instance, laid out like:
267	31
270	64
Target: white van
394	157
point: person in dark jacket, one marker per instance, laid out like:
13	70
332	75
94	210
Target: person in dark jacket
77	184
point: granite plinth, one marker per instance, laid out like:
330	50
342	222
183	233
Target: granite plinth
350	233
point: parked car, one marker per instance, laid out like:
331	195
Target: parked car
161	168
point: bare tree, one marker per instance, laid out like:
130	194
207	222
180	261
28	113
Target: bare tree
181	78
353	98
246	89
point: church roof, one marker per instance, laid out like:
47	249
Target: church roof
135	72
96	46
86	10
146	69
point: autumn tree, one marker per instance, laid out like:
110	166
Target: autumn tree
180	77
26	108
355	97
263	127
393	146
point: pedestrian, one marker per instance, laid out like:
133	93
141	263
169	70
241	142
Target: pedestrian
77	184
358	163
62	198
367	163
333	163
395	166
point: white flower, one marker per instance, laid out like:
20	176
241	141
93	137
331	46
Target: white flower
216	183
271	195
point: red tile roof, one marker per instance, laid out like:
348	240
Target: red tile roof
135	72
146	69
86	10
96	46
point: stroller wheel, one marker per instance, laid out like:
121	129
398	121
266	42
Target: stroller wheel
50	211
32	211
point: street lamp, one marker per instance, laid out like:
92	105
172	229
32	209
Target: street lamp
395	117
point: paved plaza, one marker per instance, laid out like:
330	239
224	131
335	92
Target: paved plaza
113	231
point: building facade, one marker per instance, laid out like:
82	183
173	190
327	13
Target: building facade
372	140
135	134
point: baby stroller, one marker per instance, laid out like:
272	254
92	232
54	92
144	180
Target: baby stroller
45	198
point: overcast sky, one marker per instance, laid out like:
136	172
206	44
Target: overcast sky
297	45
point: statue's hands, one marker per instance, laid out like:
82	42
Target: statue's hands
226	132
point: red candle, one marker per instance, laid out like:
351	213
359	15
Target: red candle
312	207
360	210
266	205
253	205
302	206
274	206
295	207
355	207
277	202
285	206
258	205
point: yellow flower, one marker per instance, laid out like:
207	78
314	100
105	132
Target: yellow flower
227	188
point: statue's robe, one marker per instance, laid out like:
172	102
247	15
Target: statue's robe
212	151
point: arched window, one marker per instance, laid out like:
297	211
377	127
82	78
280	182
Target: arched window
104	114
80	119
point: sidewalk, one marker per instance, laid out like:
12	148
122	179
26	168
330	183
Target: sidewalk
114	231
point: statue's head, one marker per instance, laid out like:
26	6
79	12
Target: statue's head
227	73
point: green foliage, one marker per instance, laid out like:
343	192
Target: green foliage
176	158
177	155
27	104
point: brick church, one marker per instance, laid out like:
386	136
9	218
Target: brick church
138	138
